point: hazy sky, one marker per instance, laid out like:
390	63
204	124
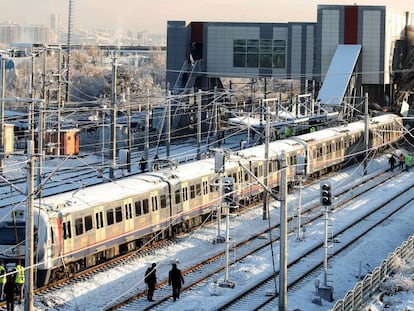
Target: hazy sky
152	15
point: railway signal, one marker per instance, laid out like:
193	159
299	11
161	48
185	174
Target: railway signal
326	192
228	189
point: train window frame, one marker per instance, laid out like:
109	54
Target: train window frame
67	232
163	201
138	208
118	214
185	194
128	210
177	195
110	219
198	189
99	220
192	192
88	223
205	187
79	226
145	206
154	203
52	235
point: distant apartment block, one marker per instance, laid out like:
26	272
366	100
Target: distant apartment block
12	33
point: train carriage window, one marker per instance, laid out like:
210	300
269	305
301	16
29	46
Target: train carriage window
246	177
154	202
99	220
52	235
138	210
128	211
145	206
78	226
118	214
67	232
177	196
256	171
234	177
198	189
110	217
163	200
88	223
192	191
205	187
185	194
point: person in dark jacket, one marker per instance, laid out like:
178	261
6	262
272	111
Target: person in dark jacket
175	279
151	280
392	162
9	292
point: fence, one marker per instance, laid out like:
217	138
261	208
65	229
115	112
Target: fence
364	290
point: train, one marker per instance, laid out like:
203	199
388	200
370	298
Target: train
78	229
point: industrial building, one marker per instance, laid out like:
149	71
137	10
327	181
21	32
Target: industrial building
201	53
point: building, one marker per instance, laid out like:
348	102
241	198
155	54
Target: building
200	54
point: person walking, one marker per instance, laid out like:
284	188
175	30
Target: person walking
19	281
151	280
9	292
407	161
402	160
3	279
392	162
175	279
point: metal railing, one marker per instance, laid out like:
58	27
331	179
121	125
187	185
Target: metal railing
364	290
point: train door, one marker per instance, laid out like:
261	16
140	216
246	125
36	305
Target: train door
68	233
128	212
154	207
185	198
99	223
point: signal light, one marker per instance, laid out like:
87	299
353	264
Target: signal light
227	189
326	193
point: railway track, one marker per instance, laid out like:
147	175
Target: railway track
209	269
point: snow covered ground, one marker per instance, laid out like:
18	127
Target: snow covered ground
93	294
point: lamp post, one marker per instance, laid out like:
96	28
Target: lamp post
103	137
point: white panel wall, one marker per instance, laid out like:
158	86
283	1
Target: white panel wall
330	38
220	48
371	47
296	56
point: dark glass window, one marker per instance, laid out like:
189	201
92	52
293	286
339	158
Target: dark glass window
138	210
145	206
163	201
78	226
177	196
110	217
118	214
88	223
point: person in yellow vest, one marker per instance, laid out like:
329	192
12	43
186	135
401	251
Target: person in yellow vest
3	279
19	281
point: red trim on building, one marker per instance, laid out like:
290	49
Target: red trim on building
351	25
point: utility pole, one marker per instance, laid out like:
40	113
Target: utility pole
168	132
129	129
70	24
366	135
199	125
114	115
3	95
146	130
283	237
266	162
59	99
40	149
29	249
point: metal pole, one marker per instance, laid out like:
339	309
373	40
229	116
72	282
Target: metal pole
283	237
325	246
266	164
29	259
168	123
40	149
299	234
3	95
226	273
366	135
129	130
59	99
146	130
199	125
114	115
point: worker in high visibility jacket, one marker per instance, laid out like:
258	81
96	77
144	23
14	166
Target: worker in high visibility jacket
19	281
3	279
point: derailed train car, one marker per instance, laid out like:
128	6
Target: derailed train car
82	228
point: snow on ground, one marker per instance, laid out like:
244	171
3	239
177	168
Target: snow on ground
92	295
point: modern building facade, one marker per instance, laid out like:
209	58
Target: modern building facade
199	54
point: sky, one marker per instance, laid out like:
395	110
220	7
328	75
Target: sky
152	16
